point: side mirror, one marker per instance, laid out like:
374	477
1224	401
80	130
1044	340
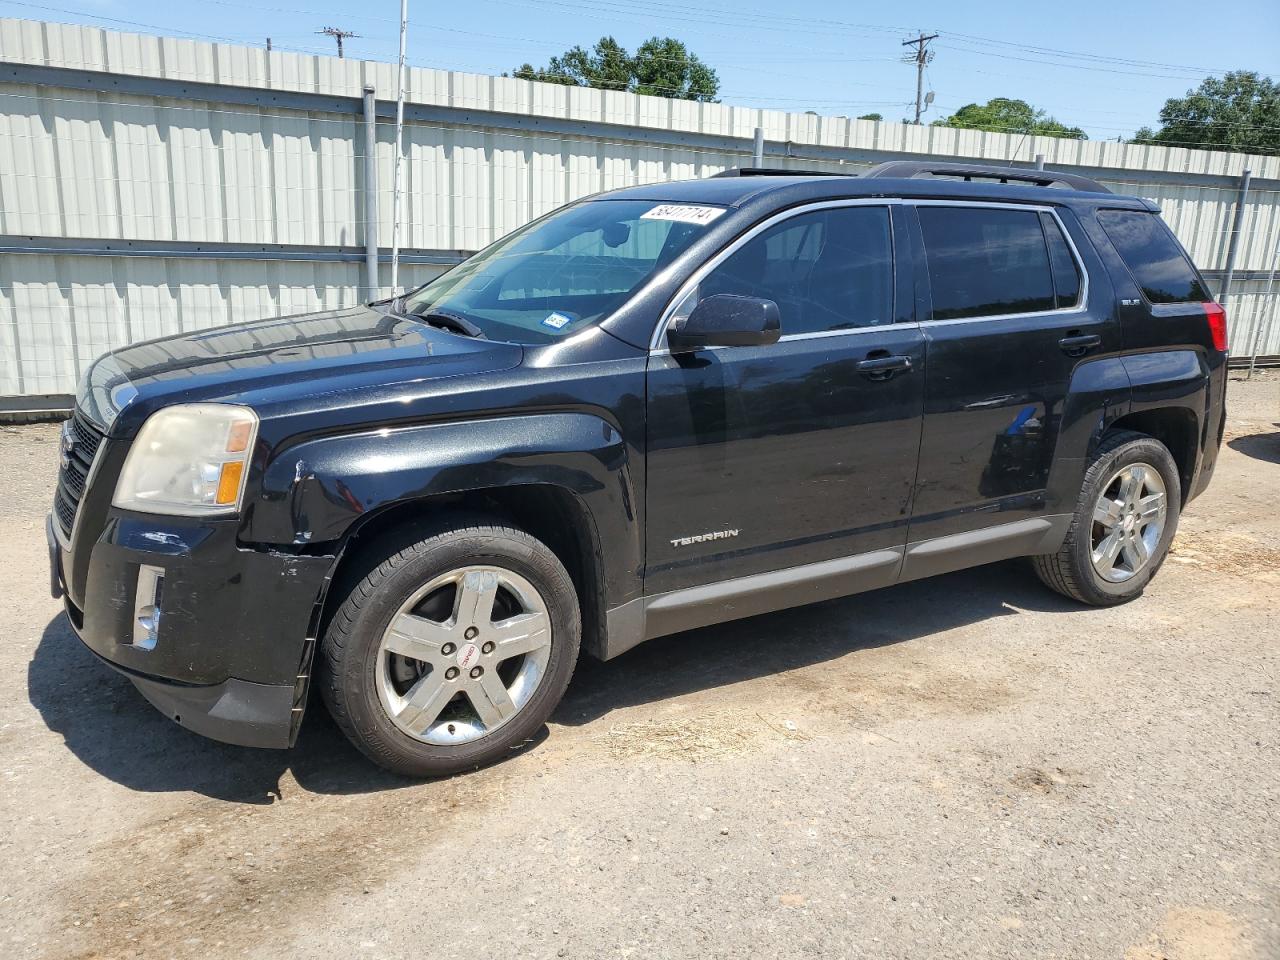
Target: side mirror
725	320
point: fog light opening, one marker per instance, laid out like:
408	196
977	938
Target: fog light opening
146	607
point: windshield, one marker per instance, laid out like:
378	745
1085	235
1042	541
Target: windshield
566	271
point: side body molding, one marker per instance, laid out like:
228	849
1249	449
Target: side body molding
317	490
645	618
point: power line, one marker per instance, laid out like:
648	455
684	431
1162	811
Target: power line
1083	56
965	47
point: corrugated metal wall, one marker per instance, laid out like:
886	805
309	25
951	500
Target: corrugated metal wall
94	160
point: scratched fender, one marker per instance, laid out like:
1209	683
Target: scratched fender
315	491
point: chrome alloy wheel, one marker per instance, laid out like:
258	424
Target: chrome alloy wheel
1128	521
463	655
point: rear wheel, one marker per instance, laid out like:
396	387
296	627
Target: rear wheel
452	651
1124	521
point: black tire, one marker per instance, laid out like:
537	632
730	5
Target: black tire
348	659
1070	571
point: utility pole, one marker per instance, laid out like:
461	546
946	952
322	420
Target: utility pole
338	34
397	180
921	59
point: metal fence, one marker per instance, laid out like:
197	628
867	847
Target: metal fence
152	185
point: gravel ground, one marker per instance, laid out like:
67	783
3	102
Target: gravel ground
967	766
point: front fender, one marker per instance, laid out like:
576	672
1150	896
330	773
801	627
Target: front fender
314	491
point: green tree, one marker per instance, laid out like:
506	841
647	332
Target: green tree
1238	111
608	66
664	67
872	116
661	67
1003	115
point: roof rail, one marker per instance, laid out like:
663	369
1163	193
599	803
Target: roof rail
908	169
775	172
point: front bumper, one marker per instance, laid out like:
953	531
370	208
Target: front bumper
234	711
231	654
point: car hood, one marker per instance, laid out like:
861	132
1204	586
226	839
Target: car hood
273	363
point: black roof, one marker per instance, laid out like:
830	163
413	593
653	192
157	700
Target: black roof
783	190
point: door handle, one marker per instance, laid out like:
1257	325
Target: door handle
879	365
1077	344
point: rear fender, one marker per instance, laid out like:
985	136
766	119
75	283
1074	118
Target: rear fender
1098	395
1105	392
1169	378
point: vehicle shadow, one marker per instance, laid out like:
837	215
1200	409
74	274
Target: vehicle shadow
1260	446
739	650
107	725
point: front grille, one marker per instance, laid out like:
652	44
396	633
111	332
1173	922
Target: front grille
85	437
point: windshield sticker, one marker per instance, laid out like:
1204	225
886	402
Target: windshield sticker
683	213
557	321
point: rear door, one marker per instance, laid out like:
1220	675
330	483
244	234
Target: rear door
765	458
1009	320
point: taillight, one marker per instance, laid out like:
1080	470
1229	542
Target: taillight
1217	317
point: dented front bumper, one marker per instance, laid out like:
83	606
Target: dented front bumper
216	635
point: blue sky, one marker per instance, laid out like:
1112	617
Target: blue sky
1104	66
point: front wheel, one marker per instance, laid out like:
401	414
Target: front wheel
1124	522
453	651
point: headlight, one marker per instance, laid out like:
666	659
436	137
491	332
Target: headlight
189	459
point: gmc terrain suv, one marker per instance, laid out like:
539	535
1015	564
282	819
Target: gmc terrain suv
648	411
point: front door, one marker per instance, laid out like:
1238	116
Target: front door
773	457
1010	321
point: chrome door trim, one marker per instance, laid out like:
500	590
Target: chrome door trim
1081	305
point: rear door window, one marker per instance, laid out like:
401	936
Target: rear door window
826	270
986	261
1153	256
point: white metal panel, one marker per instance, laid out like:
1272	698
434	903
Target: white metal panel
29	201
1253	319
745	120
77	164
59	313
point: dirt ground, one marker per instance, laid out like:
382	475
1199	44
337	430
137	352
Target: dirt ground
968	766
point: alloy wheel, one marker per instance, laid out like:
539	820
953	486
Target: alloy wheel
463	655
1128	522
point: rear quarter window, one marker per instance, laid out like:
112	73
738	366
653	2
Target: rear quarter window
1153	256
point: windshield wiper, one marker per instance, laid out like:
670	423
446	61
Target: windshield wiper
448	320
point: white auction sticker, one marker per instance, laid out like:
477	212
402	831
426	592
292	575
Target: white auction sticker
683	213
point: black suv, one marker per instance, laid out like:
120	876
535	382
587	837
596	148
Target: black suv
648	411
